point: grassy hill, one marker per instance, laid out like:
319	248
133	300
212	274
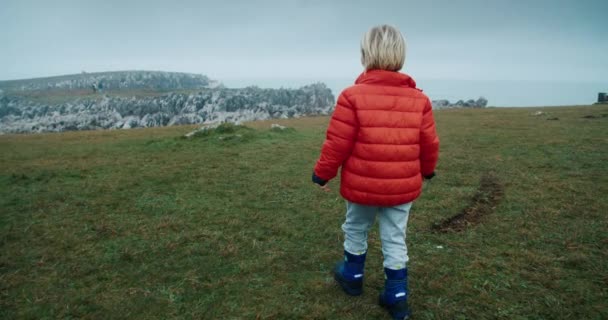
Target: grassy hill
144	224
129	83
113	80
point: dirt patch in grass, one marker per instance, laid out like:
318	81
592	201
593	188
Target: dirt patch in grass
595	116
484	202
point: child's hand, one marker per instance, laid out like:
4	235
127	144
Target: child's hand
325	188
322	183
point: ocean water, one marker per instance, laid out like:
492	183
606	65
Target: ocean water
500	93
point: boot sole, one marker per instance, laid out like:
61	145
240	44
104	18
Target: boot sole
401	308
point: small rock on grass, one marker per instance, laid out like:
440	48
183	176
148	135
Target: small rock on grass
277	126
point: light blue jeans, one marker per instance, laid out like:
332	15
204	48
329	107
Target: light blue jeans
393	224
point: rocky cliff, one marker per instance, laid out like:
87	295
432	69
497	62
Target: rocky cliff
19	114
116	80
445	104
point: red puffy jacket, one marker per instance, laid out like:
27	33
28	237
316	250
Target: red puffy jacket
382	133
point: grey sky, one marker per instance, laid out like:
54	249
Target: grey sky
480	40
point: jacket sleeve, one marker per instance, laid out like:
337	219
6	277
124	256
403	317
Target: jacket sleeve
339	141
429	142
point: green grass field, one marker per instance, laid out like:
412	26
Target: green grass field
144	224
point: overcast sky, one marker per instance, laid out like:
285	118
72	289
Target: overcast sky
480	40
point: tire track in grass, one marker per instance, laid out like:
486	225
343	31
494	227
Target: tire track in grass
484	201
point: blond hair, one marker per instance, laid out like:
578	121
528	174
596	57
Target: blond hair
383	47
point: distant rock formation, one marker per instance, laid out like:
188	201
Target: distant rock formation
19	114
444	104
116	80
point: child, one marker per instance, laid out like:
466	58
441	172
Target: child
382	134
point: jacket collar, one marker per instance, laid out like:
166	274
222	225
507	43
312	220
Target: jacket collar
384	77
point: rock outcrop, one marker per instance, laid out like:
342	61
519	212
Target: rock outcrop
444	104
19	114
116	80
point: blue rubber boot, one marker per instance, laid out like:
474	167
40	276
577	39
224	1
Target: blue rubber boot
349	273
394	297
